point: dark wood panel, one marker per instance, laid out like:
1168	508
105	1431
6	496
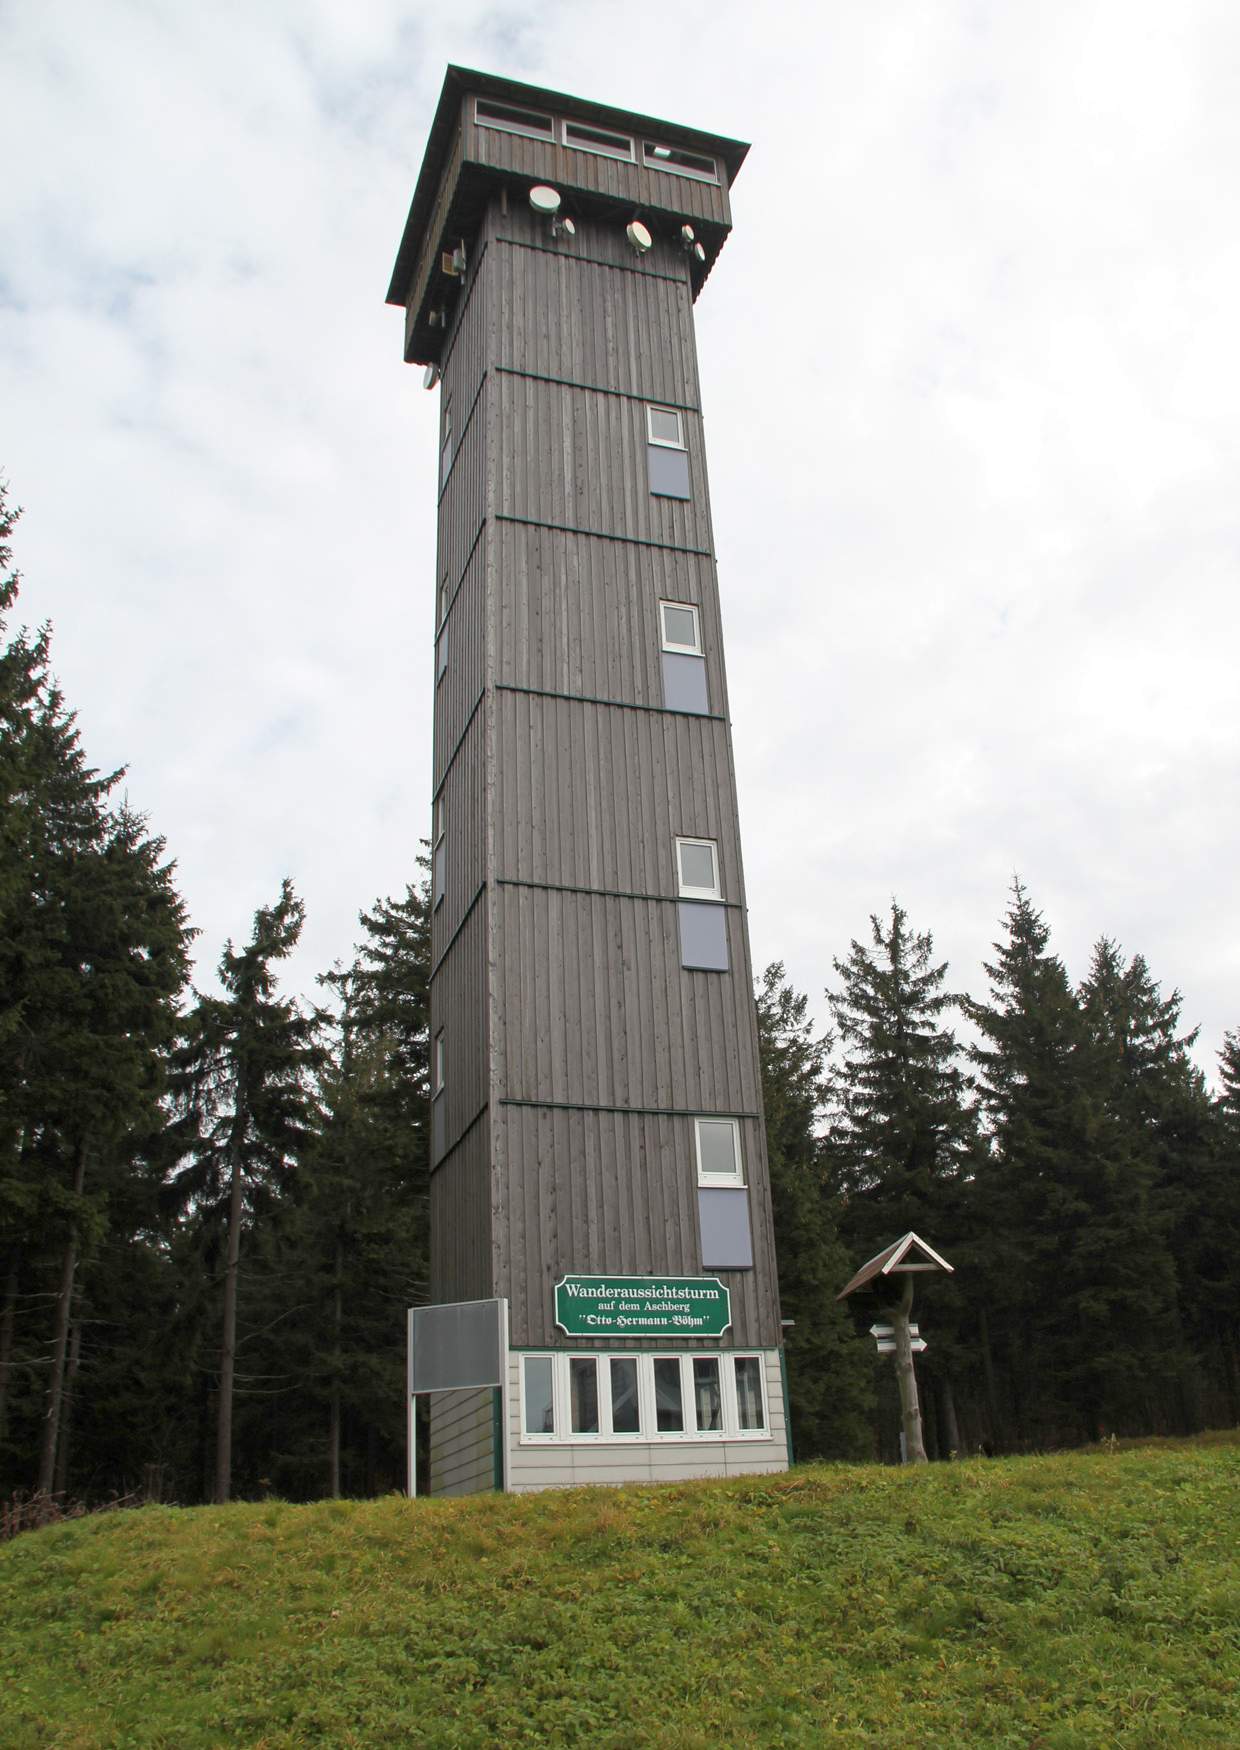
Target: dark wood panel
590	1192
460	1215
596	1008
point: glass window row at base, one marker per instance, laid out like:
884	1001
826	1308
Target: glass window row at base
642	1397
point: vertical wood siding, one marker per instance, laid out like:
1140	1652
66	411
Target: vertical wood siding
596	797
582	616
458	1007
629	1205
461	1224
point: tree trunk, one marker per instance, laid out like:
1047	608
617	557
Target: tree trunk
8	1332
66	1407
988	1375
228	1341
333	1432
947	1418
910	1410
60	1339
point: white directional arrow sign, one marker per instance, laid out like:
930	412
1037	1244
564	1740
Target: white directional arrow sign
885	1337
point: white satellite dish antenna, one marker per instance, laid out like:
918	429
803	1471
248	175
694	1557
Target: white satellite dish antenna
699	252
430	377
545	200
687	235
639	236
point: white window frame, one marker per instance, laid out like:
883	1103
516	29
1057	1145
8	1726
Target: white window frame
600	148
662	443
685	889
650	162
713	1180
439	1063
668	643
441	817
648	1433
503	126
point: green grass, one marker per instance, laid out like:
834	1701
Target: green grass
1084	1599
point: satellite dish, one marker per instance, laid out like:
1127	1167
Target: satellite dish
699	252
430	377
639	237
687	235
568	228
545	200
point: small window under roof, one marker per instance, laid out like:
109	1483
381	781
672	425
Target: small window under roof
601	140
679	161
489	114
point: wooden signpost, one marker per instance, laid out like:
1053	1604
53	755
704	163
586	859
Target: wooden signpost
897	1335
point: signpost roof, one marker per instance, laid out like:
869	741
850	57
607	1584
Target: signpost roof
902	1257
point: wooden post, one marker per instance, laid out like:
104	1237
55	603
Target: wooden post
910	1409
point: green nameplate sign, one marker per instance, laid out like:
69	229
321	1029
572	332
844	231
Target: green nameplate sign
642	1306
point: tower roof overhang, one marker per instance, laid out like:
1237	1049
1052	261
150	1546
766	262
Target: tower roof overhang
474	183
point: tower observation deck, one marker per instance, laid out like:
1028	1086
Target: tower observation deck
598	1155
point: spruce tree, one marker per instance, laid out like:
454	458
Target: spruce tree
830	1372
93	954
247	1114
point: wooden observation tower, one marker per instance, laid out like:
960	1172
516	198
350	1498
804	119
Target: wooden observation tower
598	1154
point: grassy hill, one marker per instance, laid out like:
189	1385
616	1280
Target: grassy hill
1085	1599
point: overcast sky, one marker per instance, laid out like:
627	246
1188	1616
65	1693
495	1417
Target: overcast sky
971	374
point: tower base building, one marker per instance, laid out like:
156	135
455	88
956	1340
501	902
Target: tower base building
598	1156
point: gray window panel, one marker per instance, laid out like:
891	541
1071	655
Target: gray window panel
669	472
717	1147
669	1409
625	1411
707	1395
749	1407
684	683
438	1126
437	873
723	1218
539	1398
703	935
441	655
583	1394
457	1345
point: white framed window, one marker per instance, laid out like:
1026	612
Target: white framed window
581	1399
445	442
665	426
510	118
441	817
441	655
680	628
584	137
717	1147
439	1063
697	869
679	161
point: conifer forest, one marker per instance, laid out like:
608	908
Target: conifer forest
213	1207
